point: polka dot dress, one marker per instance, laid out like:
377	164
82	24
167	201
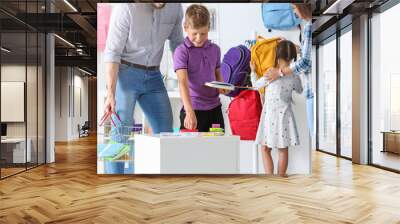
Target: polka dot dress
277	127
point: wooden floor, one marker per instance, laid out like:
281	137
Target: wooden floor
387	159
70	191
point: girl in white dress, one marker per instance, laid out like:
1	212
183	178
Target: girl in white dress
277	127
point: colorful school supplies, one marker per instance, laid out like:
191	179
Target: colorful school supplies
216	130
188	130
112	150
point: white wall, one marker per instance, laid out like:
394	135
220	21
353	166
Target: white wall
12	73
61	103
82	83
33	126
238	22
66	121
50	95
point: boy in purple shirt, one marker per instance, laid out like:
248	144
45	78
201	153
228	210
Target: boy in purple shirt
197	61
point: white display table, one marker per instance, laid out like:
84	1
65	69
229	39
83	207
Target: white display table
155	154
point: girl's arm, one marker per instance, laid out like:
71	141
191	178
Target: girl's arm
260	83
257	84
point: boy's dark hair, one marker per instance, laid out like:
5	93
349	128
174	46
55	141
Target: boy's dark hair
285	50
197	16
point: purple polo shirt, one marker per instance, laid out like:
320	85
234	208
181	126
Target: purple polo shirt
201	63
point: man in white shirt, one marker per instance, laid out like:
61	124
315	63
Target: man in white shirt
133	53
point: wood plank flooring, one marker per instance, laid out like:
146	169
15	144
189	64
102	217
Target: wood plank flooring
70	191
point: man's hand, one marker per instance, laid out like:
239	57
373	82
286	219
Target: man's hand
272	74
109	105
190	121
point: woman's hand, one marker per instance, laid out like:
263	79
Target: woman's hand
298	49
272	74
190	121
303	11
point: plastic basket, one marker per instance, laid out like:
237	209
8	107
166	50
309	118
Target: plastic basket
115	148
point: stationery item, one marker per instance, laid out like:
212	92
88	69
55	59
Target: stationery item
216	130
226	86
188	130
112	150
208	134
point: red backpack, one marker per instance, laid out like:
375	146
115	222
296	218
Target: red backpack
244	114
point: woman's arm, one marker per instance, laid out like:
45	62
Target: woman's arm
297	85
304	63
301	65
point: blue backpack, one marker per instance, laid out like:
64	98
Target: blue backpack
279	16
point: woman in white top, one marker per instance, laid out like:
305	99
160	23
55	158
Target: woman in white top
277	127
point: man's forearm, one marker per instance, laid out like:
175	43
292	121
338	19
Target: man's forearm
111	76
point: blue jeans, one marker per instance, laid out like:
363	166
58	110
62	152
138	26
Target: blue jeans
147	88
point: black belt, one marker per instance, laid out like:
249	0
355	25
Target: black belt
148	68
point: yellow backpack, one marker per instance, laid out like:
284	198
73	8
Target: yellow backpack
263	55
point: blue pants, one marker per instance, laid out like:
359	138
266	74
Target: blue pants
147	88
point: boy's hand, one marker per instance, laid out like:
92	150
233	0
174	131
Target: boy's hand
223	91
190	121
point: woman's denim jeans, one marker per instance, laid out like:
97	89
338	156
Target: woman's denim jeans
146	88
